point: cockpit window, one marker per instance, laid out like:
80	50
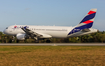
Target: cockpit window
6	27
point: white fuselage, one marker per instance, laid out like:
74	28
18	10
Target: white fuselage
53	31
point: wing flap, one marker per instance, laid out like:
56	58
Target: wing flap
35	34
30	32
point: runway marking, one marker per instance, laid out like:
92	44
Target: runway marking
52	44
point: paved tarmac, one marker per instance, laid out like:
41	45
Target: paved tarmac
52	44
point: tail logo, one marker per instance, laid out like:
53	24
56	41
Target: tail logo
86	23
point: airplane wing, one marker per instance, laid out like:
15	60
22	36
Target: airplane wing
35	34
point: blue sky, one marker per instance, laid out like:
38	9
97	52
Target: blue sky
50	12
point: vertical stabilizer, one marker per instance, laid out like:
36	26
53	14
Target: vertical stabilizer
86	23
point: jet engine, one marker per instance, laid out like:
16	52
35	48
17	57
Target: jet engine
21	36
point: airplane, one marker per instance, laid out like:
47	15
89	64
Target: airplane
23	32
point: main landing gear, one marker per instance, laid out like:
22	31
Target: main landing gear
37	40
48	40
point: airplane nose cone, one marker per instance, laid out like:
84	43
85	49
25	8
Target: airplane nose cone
8	32
4	31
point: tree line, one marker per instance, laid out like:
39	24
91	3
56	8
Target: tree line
90	38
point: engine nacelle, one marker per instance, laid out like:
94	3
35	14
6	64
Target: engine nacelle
20	36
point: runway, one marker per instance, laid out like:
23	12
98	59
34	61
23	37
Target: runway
52	44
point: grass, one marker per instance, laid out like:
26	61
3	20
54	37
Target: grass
52	55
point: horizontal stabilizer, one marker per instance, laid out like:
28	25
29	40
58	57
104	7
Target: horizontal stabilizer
85	30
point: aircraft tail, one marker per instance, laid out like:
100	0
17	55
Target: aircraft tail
86	23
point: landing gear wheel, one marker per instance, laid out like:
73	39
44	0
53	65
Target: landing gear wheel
48	41
10	41
17	41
